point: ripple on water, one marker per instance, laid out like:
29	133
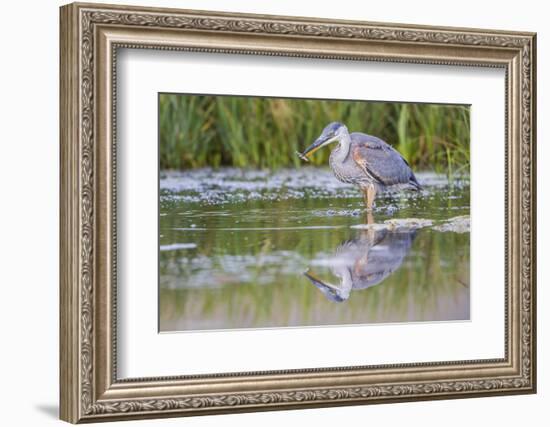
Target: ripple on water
177	246
337	212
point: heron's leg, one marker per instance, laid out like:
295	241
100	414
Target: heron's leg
365	195
371	194
368	204
370	218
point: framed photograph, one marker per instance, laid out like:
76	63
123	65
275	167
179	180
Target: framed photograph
266	212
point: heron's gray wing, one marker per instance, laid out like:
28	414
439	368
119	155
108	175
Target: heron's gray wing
385	260
379	160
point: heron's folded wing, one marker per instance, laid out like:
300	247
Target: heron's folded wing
382	163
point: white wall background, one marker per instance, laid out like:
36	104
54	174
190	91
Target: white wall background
29	170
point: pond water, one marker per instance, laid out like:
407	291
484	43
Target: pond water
257	249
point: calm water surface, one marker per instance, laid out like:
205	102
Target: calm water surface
256	249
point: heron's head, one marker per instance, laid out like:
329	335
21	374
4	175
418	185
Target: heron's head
332	292
333	132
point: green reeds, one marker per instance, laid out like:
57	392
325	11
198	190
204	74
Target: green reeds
200	131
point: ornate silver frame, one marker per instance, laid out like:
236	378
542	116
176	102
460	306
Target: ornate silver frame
90	36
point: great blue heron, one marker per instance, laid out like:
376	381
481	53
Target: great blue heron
364	262
364	160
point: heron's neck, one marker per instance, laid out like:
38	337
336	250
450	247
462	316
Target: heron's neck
343	149
343	291
346	285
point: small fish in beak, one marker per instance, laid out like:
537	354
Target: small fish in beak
302	156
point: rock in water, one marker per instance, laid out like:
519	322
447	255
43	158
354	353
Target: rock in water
458	224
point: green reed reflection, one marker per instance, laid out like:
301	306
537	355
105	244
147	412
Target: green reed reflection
235	245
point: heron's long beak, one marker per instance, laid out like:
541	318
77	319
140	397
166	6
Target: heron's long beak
328	289
319	143
318	282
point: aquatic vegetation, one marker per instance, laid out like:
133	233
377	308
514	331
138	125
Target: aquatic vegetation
458	224
397	224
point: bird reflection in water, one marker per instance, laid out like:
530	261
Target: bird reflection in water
364	261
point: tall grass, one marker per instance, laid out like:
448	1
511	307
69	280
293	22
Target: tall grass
204	130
